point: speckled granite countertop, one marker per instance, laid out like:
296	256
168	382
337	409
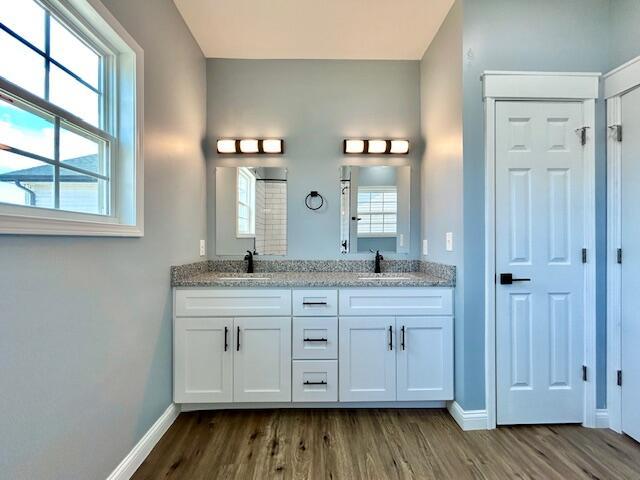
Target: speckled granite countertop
208	274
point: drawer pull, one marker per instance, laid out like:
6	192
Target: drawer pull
402	337
390	338
314	303
238	340
315	340
226	338
314	383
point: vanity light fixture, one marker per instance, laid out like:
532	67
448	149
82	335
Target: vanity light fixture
270	146
376	146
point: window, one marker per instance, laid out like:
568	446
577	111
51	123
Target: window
377	211
246	204
70	159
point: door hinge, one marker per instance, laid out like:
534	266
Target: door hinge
582	131
584	255
619	255
584	373
619	378
617	131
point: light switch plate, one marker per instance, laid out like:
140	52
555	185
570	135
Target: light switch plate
203	248
425	247
401	240
449	241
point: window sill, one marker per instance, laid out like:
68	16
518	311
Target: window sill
32	225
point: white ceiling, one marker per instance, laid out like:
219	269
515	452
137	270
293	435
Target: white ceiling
314	29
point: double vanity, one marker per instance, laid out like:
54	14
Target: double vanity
317	333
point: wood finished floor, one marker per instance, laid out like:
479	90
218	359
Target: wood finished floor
380	444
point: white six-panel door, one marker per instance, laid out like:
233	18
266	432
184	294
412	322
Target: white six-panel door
367	366
262	359
630	220
539	236
424	358
203	365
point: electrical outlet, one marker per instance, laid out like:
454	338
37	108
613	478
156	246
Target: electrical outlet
449	241
425	247
401	240
203	248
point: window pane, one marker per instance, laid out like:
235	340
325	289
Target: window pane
376	207
376	196
26	128
68	93
364	197
21	65
26	18
82	193
243	212
82	150
390	196
24	181
243	226
71	52
364	207
390	207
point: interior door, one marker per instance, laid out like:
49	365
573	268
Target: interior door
424	358
539	240
367	359
262	359
203	364
630	109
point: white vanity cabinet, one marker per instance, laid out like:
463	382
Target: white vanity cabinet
367	359
232	345
262	359
402	357
203	360
327	346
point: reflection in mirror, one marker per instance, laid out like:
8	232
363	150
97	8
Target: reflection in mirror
251	210
374	209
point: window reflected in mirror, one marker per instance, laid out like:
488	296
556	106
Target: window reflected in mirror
251	210
374	209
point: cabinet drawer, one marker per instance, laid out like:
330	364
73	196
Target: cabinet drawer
396	301
202	302
315	338
315	381
314	303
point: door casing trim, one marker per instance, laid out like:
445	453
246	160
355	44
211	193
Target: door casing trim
616	83
540	86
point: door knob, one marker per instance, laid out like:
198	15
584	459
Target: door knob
507	279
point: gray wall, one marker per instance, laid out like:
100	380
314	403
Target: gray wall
546	35
625	31
85	323
314	105
441	108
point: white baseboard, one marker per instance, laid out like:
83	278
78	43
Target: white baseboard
468	419
137	455
602	418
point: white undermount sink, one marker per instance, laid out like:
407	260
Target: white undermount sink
244	278
384	278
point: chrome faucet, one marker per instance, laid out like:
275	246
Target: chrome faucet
249	258
378	258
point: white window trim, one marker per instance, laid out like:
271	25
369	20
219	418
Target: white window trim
127	220
617	83
546	86
247	172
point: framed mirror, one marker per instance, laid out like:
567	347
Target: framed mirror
374	209
251	210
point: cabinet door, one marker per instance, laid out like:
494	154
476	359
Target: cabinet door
262	359
425	358
367	360
203	360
